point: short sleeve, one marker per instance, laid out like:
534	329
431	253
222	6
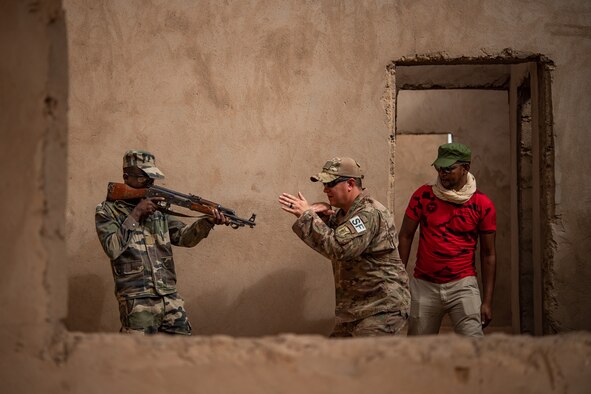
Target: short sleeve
488	221
414	210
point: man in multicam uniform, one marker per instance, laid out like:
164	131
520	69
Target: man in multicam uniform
372	295
137	237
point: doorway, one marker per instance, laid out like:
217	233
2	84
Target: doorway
500	110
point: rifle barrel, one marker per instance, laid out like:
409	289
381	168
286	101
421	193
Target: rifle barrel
192	202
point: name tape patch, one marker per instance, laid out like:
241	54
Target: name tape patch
357	224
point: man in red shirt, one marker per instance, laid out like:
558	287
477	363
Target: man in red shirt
453	214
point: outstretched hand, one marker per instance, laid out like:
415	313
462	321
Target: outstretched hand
298	205
292	204
323	209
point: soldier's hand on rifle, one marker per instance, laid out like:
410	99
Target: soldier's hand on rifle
218	218
145	208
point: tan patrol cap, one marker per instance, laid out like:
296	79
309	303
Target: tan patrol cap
338	167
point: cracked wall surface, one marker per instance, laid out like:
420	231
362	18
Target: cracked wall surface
261	94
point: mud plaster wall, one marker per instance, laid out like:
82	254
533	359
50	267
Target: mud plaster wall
33	100
38	355
241	101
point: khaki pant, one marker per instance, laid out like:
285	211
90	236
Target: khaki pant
431	301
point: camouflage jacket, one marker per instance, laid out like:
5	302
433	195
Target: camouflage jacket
141	253
362	245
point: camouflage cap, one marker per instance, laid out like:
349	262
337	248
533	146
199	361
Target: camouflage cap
143	160
337	167
448	154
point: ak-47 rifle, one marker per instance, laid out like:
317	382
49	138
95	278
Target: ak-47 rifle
120	191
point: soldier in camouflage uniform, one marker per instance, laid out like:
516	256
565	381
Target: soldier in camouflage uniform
372	295
137	237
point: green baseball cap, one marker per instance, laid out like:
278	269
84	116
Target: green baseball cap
143	160
338	167
448	154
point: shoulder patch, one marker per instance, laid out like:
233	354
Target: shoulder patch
357	224
343	231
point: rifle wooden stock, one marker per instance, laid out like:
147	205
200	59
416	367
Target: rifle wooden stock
121	191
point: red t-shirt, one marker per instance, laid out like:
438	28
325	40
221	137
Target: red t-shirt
449	234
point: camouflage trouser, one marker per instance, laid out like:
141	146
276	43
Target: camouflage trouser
389	323
154	314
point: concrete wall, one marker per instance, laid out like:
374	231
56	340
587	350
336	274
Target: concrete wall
352	43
